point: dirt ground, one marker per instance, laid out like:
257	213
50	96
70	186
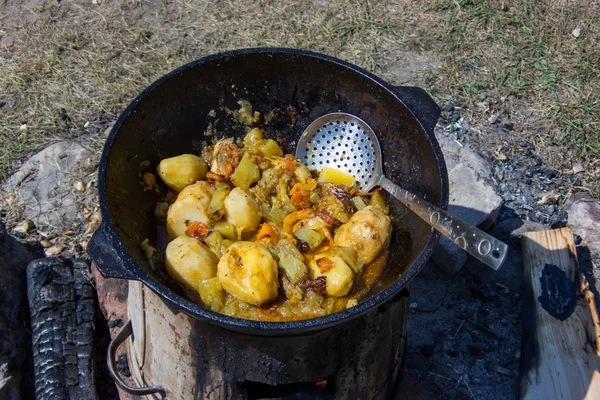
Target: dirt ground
67	69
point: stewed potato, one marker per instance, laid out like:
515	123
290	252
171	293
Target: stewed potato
317	233
338	275
191	205
242	211
248	271
190	262
368	232
178	172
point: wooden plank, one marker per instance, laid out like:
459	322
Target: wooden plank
560	338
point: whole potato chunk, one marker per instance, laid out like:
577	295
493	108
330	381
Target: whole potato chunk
242	211
191	205
190	262
339	277
178	172
368	232
248	272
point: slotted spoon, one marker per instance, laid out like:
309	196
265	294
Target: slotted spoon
345	142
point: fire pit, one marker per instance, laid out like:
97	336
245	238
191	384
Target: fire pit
186	350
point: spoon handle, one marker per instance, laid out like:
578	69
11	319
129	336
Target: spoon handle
474	241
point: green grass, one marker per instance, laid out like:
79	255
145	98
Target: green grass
528	51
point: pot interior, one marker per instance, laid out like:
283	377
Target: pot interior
171	116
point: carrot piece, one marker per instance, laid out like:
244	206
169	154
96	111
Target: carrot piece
301	199
267	231
214	177
290	163
311	184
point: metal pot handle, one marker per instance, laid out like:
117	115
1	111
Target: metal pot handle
420	104
119	338
105	256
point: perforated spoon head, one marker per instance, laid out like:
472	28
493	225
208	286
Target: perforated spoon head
344	142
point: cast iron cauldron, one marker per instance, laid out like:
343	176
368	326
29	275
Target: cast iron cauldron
170	116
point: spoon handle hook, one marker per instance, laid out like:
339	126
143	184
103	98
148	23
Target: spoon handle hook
474	241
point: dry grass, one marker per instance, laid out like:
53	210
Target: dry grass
72	63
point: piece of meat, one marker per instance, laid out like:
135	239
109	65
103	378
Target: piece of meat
197	230
225	158
318	286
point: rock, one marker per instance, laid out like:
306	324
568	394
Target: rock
79	186
472	199
23	227
55	250
584	219
448	256
576	32
16	368
42	185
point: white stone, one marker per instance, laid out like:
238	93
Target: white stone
43	185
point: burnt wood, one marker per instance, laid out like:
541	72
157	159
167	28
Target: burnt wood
560	358
16	368
61	301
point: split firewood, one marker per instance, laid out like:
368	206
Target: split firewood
561	330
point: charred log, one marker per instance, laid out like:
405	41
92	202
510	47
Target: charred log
62	327
16	369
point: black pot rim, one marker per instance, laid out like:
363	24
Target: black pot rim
239	324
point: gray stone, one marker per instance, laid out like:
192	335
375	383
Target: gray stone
472	198
449	257
44	185
16	369
584	220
